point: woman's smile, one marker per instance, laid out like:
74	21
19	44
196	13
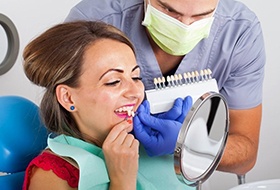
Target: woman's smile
125	111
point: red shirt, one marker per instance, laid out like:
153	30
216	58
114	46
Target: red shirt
59	166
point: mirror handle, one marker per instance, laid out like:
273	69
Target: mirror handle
241	179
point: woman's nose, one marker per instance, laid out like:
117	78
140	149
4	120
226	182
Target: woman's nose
135	89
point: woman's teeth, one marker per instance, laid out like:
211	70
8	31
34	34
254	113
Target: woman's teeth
130	113
128	109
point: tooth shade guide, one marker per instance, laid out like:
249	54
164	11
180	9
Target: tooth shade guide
156	83
197	76
189	77
180	79
209	73
177	79
193	84
172	80
169	81
160	83
202	75
185	77
163	81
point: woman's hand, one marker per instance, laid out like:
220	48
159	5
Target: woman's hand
121	152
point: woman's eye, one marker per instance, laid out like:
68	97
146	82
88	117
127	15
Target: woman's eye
136	78
112	83
115	82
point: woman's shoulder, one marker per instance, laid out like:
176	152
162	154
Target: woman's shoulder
48	162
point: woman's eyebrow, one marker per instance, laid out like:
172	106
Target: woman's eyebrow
111	70
134	68
118	70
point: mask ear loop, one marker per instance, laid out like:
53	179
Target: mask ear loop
146	4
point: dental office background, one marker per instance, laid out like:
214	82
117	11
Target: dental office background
31	17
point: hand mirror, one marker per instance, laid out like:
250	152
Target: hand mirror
201	140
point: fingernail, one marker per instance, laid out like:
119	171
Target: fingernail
129	120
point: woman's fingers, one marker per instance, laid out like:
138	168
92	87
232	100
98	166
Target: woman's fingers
121	151
119	131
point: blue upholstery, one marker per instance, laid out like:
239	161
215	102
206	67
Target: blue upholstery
22	137
12	182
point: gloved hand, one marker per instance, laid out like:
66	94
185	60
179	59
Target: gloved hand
179	110
158	134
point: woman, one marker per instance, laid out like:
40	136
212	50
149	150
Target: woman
93	88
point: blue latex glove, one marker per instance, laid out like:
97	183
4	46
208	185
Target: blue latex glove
158	134
179	110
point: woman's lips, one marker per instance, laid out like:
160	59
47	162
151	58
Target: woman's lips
122	115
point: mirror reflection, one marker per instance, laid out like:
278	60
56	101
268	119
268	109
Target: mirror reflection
202	139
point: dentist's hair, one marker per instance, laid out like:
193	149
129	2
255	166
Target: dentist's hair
56	57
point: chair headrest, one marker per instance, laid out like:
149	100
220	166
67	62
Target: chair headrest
22	133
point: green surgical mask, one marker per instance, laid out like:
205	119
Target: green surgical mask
171	35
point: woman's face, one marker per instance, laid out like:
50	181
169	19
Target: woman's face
110	88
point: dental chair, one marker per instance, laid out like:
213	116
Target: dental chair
22	137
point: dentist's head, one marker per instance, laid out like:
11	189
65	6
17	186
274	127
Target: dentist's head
178	26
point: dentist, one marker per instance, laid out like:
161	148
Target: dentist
186	35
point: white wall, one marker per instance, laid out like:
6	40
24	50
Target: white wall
32	17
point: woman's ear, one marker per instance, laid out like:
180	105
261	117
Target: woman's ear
64	97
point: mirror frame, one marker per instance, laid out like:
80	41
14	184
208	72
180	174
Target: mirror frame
181	139
13	44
